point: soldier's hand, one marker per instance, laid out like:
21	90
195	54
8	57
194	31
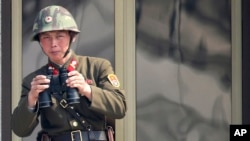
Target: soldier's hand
38	84
76	80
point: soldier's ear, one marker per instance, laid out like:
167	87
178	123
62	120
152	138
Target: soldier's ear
36	38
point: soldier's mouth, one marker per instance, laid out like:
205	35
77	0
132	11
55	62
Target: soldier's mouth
54	52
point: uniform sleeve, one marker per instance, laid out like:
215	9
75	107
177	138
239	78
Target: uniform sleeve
107	97
23	120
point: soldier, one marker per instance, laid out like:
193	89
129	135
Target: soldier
73	95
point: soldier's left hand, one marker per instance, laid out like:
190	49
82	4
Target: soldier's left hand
76	80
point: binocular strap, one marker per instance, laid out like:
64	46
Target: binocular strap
84	123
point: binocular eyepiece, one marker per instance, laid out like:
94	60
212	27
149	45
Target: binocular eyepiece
58	86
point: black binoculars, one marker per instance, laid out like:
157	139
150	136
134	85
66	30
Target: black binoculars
58	86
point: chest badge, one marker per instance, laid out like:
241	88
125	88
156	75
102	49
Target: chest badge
113	80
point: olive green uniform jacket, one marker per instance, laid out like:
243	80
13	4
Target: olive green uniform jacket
107	101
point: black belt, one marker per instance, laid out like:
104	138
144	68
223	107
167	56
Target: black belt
80	136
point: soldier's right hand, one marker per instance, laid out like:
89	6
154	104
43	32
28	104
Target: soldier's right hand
38	84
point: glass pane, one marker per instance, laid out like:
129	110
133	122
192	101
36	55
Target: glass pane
183	70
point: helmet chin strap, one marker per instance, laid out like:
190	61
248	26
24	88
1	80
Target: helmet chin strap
68	50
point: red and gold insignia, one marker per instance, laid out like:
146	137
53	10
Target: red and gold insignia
72	66
114	80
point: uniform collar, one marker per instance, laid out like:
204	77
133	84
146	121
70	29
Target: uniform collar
67	65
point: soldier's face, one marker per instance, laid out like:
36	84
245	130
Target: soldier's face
55	44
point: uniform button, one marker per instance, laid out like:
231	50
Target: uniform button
75	124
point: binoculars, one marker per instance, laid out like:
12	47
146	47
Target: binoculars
58	86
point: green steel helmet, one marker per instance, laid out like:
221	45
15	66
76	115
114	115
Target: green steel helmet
53	18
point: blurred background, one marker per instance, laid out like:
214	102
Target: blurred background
183	70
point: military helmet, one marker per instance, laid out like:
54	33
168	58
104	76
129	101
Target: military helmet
53	18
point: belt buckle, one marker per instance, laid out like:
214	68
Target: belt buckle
63	103
73	134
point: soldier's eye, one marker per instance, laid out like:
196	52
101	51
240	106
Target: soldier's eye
60	36
45	37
